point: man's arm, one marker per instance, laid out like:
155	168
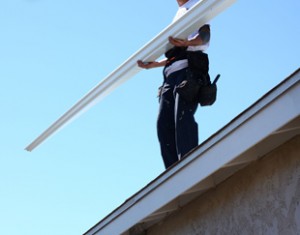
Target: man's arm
185	43
203	37
151	64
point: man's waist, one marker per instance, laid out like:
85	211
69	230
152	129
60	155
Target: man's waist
177	65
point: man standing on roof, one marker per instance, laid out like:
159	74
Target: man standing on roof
176	126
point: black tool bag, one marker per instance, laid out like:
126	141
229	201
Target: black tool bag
198	87
189	89
197	76
208	94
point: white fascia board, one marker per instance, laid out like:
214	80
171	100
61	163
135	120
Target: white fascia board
261	120
197	16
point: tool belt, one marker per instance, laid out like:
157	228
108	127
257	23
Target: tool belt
197	87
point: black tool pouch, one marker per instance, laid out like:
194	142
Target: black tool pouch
197	76
199	66
189	88
208	93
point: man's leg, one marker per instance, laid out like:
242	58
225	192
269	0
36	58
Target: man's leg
166	126
186	126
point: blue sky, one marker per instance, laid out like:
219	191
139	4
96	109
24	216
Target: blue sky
52	52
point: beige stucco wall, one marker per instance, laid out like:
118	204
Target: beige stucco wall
263	198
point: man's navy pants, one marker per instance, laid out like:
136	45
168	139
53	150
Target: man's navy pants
176	126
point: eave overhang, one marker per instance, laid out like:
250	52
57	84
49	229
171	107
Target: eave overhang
268	123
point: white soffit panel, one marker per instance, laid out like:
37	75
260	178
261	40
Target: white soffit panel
257	130
201	13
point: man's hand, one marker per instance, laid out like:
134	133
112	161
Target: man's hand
151	64
178	42
146	65
185	43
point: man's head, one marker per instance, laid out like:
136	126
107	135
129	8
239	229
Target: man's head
181	2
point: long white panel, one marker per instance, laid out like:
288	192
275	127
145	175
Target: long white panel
201	13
